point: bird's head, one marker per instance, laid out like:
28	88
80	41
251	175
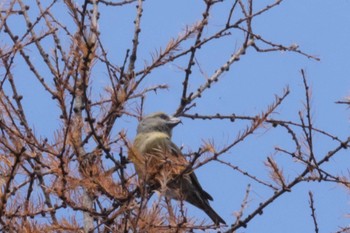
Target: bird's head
158	122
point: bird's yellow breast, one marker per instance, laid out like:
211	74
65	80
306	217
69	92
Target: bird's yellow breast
147	151
146	142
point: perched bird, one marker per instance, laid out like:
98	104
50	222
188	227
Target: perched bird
159	163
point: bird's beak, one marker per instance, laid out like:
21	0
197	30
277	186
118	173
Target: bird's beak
174	121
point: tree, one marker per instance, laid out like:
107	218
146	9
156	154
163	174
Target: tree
75	176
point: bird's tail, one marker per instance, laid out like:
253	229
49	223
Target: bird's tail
212	214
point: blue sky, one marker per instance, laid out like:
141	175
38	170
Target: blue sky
320	28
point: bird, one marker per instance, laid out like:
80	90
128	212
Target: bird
160	163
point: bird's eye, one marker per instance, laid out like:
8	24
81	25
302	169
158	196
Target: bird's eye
164	116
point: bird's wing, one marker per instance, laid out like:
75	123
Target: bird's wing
168	155
185	169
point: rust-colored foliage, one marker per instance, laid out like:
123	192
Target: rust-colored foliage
77	178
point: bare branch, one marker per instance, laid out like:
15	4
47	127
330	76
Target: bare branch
313	211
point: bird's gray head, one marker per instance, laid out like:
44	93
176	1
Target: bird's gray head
158	122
